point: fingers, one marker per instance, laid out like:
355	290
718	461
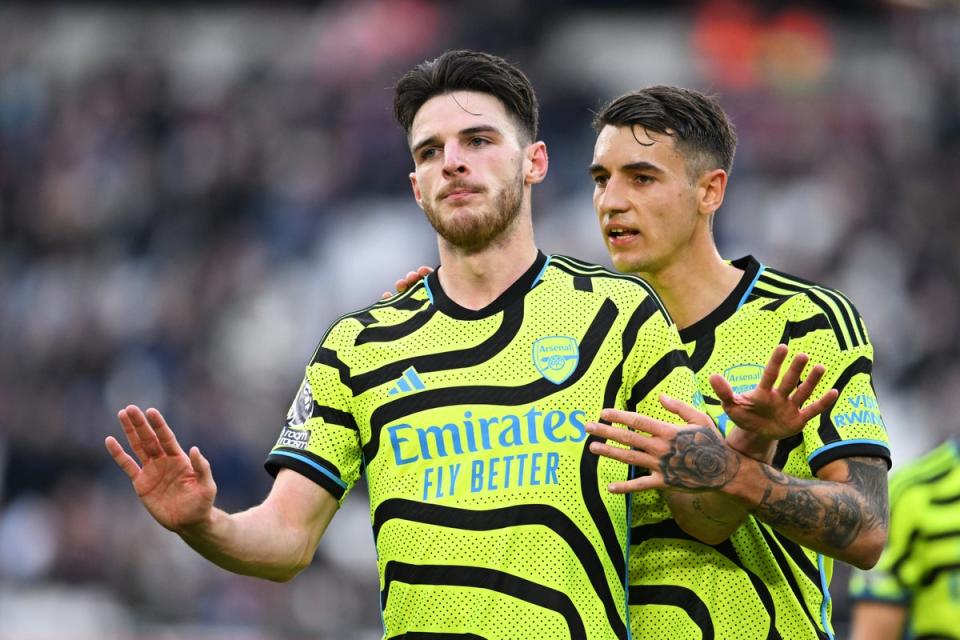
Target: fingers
148	433
132	438
412	278
168	441
772	370
686	412
639	444
627	456
404	283
790	379
814	409
638	422
626	437
141	436
722	388
121	457
808	385
652	481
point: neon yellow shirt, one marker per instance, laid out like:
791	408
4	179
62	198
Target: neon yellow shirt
758	583
491	518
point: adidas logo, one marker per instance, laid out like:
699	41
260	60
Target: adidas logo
408	382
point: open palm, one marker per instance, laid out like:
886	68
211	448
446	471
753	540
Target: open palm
775	413
176	488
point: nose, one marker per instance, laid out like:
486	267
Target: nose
610	200
453	162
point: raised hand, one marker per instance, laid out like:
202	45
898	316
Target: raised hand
412	278
176	488
689	458
775	413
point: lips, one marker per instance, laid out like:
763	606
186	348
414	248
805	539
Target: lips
458	191
458	194
619	234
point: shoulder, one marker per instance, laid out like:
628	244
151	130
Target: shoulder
623	288
363	325
810	306
802	295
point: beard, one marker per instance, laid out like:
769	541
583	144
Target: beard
474	229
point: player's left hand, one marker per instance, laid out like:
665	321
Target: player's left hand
691	458
404	283
776	413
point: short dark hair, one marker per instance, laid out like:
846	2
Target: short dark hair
697	123
462	70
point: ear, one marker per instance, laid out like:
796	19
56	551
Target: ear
711	188
535	163
416	189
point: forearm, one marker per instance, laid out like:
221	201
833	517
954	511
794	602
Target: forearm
843	513
710	517
274	540
255	542
844	520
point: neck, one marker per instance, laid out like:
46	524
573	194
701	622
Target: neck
474	279
694	284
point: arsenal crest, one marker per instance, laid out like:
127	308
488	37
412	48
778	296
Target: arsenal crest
556	357
743	377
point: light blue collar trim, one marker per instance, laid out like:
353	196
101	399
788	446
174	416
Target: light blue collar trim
542	271
753	283
426	285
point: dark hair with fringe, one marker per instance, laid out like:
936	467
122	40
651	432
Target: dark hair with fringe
462	70
701	130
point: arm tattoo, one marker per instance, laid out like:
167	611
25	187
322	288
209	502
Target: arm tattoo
838	511
798	509
842	521
698	460
869	476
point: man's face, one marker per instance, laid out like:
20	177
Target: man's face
644	199
469	177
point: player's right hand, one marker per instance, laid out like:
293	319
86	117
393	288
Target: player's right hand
777	412
412	278
176	488
690	458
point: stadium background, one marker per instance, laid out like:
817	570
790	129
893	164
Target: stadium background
190	194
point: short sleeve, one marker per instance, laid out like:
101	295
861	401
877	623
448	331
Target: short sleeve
829	330
320	438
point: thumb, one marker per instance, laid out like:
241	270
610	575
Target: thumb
201	465
722	388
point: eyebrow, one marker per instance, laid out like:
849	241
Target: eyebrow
483	128
633	166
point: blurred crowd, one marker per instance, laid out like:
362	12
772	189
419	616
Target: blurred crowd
190	196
